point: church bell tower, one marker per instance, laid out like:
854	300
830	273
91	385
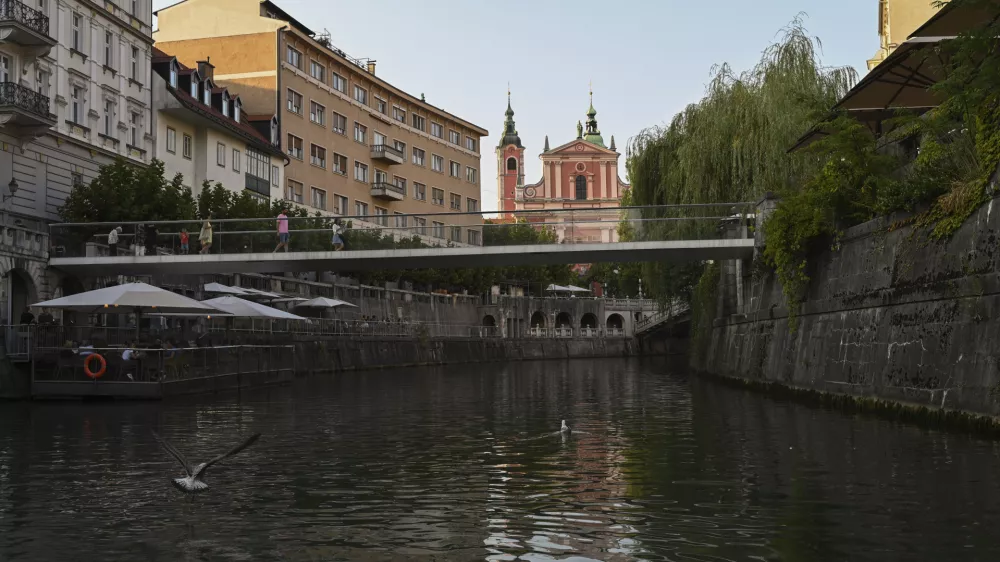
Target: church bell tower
510	164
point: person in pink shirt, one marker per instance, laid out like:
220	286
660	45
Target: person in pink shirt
282	231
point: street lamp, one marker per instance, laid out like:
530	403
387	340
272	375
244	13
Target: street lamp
12	186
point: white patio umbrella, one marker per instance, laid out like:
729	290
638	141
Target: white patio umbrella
137	298
289	299
258	293
243	308
323	302
221	289
558	289
575	289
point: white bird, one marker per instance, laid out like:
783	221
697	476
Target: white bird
193	483
564	428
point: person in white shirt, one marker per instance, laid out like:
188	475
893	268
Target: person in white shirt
338	241
113	241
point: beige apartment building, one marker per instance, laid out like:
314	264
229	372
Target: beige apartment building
357	145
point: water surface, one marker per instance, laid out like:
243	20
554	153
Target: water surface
461	464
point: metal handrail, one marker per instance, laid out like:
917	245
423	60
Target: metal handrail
14	94
25	15
386	148
388	186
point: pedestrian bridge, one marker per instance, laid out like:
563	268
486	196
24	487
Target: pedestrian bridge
418	258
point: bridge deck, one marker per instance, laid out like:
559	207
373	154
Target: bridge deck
442	258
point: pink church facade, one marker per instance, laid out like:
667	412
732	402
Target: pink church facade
580	175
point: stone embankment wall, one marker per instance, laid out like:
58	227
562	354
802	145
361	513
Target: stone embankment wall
889	316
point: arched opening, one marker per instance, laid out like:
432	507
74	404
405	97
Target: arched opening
489	321
581	187
512	164
563	320
21	294
538	319
588	321
616	322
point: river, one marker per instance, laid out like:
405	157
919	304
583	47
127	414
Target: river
461	463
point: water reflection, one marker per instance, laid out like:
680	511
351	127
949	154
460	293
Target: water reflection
466	463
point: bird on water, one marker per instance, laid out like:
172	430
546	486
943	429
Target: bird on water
193	482
565	428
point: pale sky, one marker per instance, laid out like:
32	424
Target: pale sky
647	59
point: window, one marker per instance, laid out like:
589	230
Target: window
259	166
437	196
361	209
473	237
454	137
455	202
294	102
109	126
77	33
225	104
455	169
4	68
361	94
419	191
437	163
512	164
317	71
41	76
380	105
400	184
318	198
339	83
360	133
400	146
381	176
472	205
437	130
419	123
317	156
339	123
456	234
339	164
420	225
381	216
206	92
294	57
360	171
293	192
236	160
237	106
135	8
135	64
220	154
399	114
418	156
76	112
109	49
340	204
194	87
470	143
400	220
274	176
76	178
135	133
378	139
581	187
186	147
171	133
470	174
317	113
294	146
437	230
173	75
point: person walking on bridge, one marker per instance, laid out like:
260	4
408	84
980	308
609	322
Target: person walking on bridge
113	241
338	241
205	236
283	234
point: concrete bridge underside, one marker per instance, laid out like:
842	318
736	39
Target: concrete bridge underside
440	258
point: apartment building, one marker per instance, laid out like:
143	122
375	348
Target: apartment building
204	134
357	145
74	95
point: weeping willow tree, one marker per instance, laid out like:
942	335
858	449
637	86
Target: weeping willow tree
732	145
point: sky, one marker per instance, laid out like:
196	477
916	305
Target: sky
647	59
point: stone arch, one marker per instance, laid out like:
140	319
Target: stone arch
489	321
512	164
22	292
616	322
564	320
538	319
589	320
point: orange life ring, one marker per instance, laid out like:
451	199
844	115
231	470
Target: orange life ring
86	366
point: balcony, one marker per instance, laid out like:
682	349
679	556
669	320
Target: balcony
24	112
386	153
258	185
387	191
26	28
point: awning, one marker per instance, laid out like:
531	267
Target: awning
323	302
129	298
221	289
258	293
243	308
953	19
575	289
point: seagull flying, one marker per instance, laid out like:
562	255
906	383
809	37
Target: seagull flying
193	483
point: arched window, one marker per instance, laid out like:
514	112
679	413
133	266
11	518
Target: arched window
512	164
581	187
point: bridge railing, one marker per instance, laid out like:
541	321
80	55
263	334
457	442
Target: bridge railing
389	230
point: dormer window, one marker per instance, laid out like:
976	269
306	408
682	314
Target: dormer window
236	110
194	86
225	104
207	87
173	74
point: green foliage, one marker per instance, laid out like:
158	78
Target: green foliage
704	302
123	192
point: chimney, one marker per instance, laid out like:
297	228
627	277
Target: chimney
206	69
371	67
